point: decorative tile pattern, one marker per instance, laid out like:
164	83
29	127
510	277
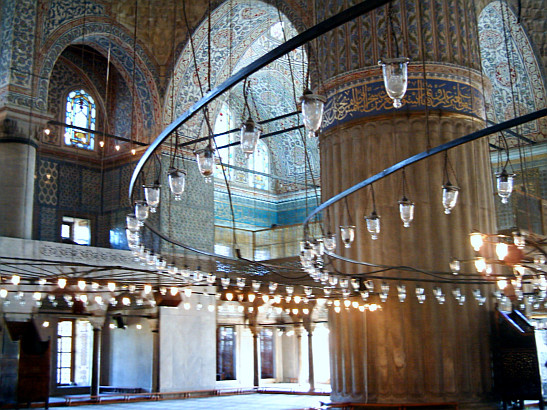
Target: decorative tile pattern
47	229
358	100
48	176
120	43
510	63
60	12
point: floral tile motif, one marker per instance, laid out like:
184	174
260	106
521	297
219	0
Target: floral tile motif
509	62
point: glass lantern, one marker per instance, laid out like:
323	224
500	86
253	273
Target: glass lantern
152	195
395	74
206	161
373	224
406	210
249	135
133	238
450	197
141	212
455	266
347	233
177	182
312	111
519	239
504	182
329	241
132	222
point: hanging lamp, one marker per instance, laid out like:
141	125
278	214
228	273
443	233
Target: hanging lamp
504	182
152	195
249	135
347	234
395	73
177	182
312	110
206	161
373	220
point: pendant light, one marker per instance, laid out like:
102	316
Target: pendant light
249	135
329	241
450	197
141	212
132	222
312	110
373	220
395	73
347	234
455	266
152	195
177	182
250	131
206	161
504	182
406	210
373	224
450	192
406	207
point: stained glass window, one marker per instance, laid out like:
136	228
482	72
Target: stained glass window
80	112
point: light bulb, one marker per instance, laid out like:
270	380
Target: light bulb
147	289
81	285
152	195
3	293
174	290
395	73
251	297
117	147
480	264
133	151
177	182
16	279
61	282
450	197
187	292
101	143
312	110
476	240
502	249
502	284
111	286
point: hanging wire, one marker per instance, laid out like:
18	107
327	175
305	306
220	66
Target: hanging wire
424	76
523	166
390	15
209	127
133	89
302	136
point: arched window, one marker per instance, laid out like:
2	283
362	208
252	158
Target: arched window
225	121
81	112
260	162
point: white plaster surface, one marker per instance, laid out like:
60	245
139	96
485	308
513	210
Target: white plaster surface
187	348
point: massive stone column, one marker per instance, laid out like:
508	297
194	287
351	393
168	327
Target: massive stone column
17	168
409	351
